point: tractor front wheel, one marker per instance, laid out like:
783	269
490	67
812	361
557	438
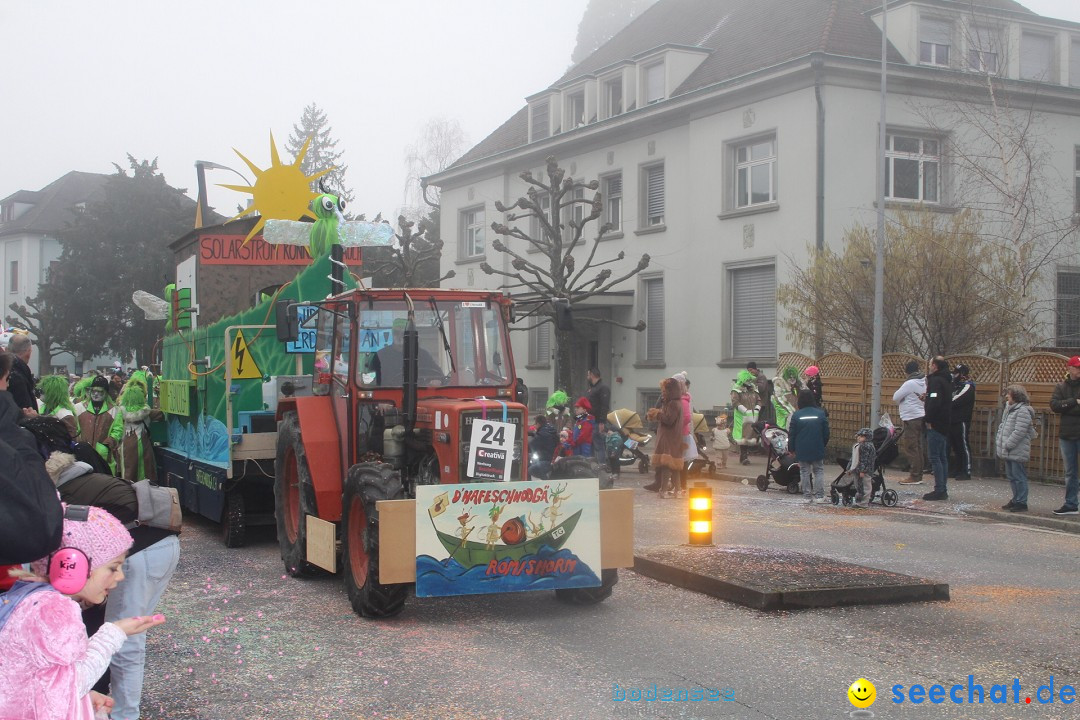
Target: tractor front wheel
366	484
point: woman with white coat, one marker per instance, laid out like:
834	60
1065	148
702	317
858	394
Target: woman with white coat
1013	444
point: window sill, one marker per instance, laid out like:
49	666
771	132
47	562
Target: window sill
651	230
752	210
741	362
538	366
617	235
471	260
647	364
918	205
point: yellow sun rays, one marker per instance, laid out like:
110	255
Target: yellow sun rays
280	192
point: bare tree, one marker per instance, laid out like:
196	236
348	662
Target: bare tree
36	317
441	142
415	260
942	291
556	280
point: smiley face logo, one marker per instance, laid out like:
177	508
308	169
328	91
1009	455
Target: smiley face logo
862	693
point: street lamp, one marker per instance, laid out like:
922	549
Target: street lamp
200	169
879	259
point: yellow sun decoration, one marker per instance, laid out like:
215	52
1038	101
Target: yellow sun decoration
281	192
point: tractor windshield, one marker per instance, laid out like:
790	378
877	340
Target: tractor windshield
461	344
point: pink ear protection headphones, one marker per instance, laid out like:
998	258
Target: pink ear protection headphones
69	568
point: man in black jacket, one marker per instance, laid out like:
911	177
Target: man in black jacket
963	405
21	382
599	396
1066	402
938	406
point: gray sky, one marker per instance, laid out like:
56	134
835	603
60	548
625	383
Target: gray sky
85	83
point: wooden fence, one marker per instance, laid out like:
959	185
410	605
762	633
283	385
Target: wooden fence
847	386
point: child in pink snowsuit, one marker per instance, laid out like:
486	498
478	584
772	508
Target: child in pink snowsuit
48	665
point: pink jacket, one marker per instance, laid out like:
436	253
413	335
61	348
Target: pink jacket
48	665
686	416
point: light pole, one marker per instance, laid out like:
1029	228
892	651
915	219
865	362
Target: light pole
200	169
879	266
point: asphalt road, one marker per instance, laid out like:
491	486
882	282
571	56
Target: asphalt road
243	641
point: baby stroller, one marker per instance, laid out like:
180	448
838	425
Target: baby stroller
702	465
886	440
630	428
781	466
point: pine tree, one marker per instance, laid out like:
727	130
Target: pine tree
601	20
322	153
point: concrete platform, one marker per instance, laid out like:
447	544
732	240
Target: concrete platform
769	579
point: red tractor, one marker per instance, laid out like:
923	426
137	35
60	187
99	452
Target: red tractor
399	378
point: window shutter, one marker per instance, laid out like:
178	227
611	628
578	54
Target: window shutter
753	307
654	319
1074	63
541	345
934	31
614	186
654	194
1036	52
1068	309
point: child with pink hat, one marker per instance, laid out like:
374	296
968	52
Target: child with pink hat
49	666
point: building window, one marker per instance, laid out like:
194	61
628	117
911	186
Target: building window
1074	63
575	110
540	345
647	399
541	120
755	172
912	168
654	83
472	233
613	97
652	183
653	314
578	209
536	230
752	301
1068	309
13	277
1036	57
935	39
612	190
983	61
538	398
7	212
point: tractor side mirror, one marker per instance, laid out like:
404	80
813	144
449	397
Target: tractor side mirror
287	321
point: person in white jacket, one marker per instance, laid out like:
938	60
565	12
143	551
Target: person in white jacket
910	400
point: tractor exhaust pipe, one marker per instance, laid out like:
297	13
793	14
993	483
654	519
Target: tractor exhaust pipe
410	372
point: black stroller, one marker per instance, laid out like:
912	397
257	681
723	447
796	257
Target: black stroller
781	467
886	443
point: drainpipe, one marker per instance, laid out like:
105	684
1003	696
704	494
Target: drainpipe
819	225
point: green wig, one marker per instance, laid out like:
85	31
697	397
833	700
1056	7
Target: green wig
558	399
744	378
133	396
790	374
81	391
54	394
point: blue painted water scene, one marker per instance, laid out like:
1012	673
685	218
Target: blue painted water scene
507	537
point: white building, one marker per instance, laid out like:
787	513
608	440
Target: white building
29	223
731	135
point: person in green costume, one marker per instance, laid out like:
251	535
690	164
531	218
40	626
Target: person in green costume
745	405
95	417
786	387
56	402
131	431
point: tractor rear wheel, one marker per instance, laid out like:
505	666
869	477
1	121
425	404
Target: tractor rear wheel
590	595
294	497
365	485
